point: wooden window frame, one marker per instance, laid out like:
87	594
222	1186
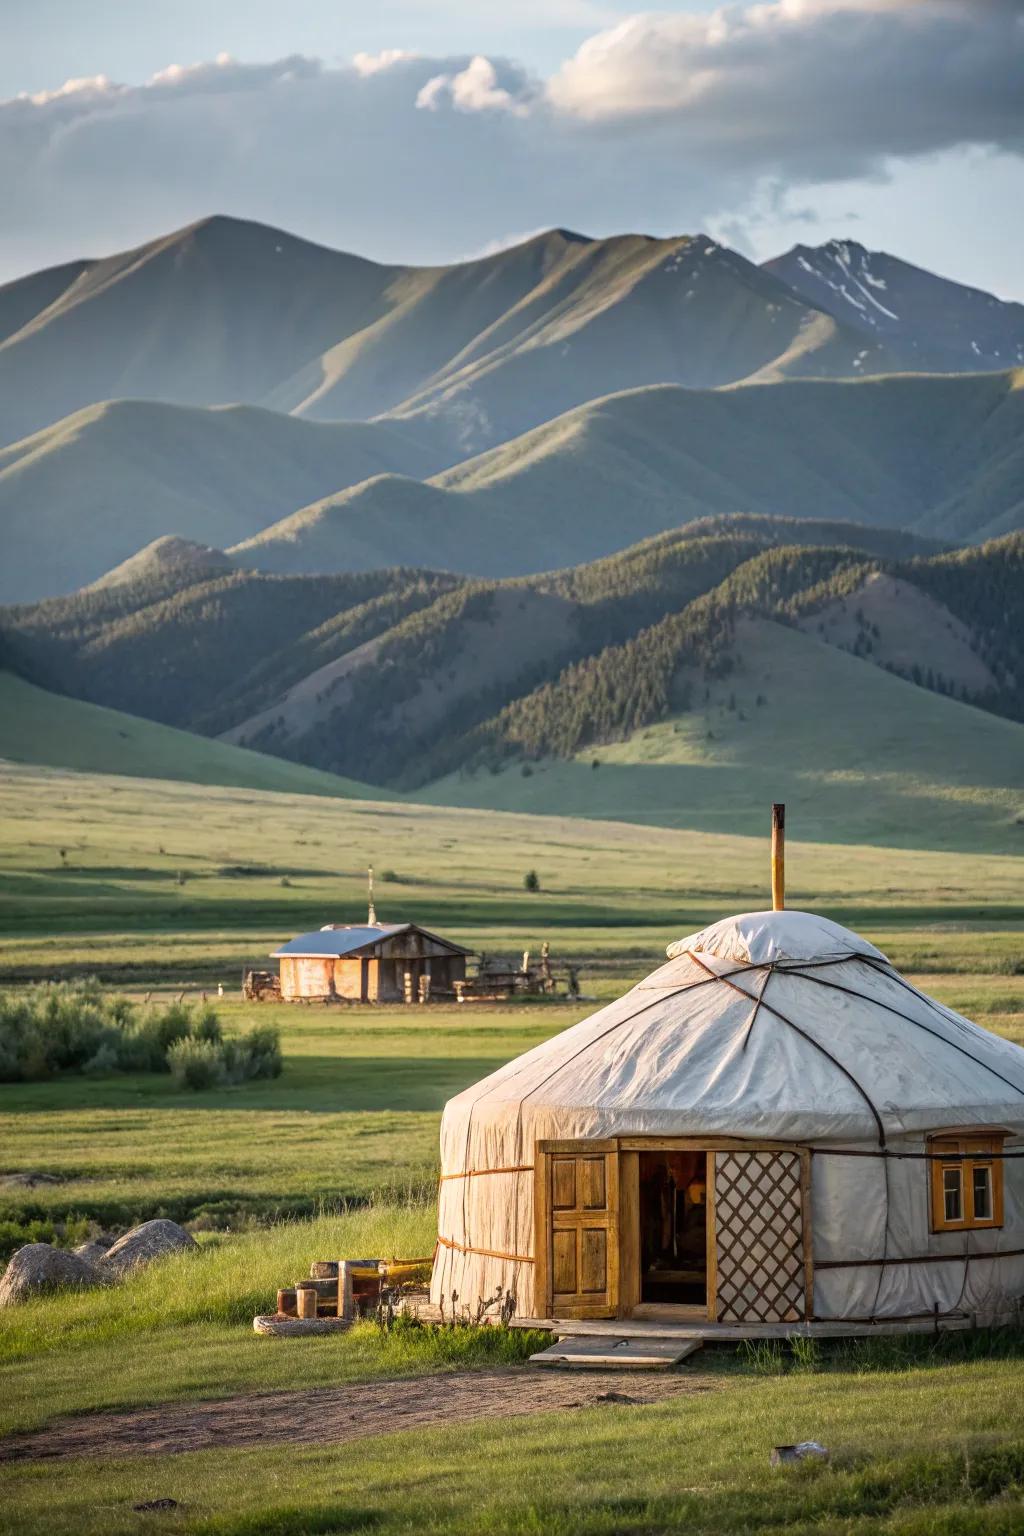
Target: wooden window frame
964	1152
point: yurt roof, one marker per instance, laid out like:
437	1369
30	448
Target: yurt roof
779	1025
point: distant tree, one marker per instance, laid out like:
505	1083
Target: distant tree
531	880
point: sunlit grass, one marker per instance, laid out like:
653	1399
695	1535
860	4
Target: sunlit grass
917	1453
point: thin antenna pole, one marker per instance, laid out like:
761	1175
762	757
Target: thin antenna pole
371	916
778	857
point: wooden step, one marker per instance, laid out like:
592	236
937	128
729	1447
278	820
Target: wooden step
606	1353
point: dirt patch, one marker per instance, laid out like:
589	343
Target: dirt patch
332	1415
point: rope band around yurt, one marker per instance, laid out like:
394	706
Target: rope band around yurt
487	1253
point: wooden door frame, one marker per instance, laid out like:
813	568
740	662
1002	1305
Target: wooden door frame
628	1149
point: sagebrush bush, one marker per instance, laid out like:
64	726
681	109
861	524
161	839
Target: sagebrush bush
197	1064
208	1061
75	1027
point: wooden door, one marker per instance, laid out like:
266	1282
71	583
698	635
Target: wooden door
577	1240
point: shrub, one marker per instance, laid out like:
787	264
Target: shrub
259	1052
531	880
197	1064
74	1027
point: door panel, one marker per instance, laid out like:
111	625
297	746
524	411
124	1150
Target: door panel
563	1184
577	1229
563	1269
593	1261
593	1196
760	1215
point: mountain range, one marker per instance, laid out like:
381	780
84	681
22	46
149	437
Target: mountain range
465	690
623	524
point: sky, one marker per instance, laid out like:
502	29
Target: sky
433	130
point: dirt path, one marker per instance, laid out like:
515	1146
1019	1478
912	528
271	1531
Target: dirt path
332	1415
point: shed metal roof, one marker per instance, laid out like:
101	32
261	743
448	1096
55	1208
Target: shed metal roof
348	940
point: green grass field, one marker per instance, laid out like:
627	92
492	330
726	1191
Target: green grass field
41	728
169	880
696	1464
339	1154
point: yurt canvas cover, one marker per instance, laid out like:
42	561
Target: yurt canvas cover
837	1107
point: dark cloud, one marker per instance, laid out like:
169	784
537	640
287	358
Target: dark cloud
661	122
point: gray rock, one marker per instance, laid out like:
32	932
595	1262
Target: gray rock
38	1267
152	1240
92	1252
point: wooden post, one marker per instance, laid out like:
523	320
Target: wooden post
346	1306
306	1297
778	857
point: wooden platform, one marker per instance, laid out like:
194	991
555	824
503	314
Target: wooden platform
730	1333
719	1333
626	1354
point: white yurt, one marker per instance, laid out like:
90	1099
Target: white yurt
774	1127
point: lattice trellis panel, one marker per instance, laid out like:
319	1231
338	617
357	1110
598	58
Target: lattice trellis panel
759	1237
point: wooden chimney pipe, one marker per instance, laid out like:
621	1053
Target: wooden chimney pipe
778	857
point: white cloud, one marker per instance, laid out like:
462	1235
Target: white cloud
473	89
373	63
662	122
823	86
88	87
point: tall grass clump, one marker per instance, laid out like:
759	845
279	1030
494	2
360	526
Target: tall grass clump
74	1027
205	1061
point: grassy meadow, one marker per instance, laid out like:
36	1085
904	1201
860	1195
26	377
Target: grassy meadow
164	888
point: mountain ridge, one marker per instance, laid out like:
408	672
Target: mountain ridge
231	311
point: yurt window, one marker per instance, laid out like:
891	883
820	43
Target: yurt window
967	1182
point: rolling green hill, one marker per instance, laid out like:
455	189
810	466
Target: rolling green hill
858	756
47	729
83	495
943	456
218	312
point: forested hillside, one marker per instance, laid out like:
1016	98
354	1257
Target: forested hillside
660	671
401	676
195	657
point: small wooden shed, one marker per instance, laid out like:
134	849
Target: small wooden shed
370	963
